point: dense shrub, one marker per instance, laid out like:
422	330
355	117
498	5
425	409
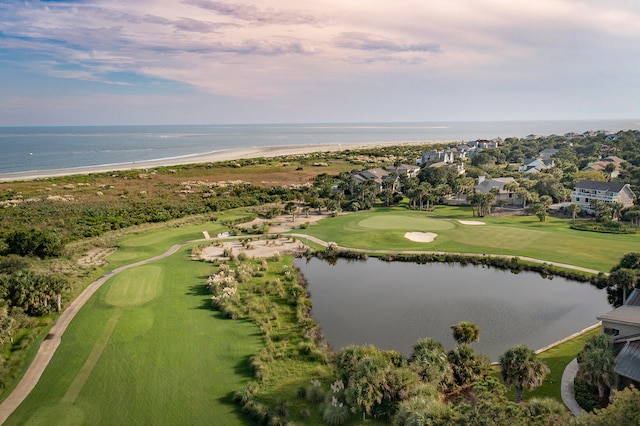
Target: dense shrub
34	242
586	394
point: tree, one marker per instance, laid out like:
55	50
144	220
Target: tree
292	209
573	209
597	368
368	385
624	410
34	242
467	366
609	169
429	360
466	332
623	280
481	202
521	367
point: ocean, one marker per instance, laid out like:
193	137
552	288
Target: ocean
30	149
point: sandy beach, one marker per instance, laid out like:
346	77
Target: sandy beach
225	155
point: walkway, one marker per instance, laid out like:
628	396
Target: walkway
566	388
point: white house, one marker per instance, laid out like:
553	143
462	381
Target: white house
608	192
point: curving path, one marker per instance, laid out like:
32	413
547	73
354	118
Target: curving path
566	388
51	343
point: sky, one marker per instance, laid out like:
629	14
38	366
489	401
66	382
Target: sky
110	62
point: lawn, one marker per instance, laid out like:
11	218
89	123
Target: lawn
556	359
147	349
145	244
553	240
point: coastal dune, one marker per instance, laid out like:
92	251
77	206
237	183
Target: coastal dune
224	155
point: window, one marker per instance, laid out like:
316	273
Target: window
611	331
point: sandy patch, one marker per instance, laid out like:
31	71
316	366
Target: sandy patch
471	222
96	257
254	249
421	237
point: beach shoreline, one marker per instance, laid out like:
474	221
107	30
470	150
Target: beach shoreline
212	157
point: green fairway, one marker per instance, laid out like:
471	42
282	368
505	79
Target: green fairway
146	349
553	240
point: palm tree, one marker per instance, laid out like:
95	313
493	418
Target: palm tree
424	189
429	360
521	367
466	332
467	366
597	368
511	187
609	169
623	279
573	209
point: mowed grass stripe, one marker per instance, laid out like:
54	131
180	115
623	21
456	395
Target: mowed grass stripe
135	286
92	360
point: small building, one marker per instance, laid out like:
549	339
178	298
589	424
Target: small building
608	192
623	326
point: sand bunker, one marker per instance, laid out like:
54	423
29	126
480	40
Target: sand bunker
421	237
471	222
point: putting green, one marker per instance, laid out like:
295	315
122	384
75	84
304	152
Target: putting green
394	221
135	286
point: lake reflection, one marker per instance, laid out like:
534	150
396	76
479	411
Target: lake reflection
392	304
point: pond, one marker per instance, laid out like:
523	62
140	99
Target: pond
393	304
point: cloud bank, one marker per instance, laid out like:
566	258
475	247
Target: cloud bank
327	60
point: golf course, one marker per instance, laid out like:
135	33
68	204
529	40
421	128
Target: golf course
147	348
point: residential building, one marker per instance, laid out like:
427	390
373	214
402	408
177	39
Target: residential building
623	325
608	192
404	169
602	164
486	185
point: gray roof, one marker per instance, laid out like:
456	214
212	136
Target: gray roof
600	186
623	315
628	361
499	183
634	298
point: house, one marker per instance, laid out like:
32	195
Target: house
541	162
546	154
404	169
486	185
623	325
378	175
602	164
608	192
435	157
458	167
536	165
